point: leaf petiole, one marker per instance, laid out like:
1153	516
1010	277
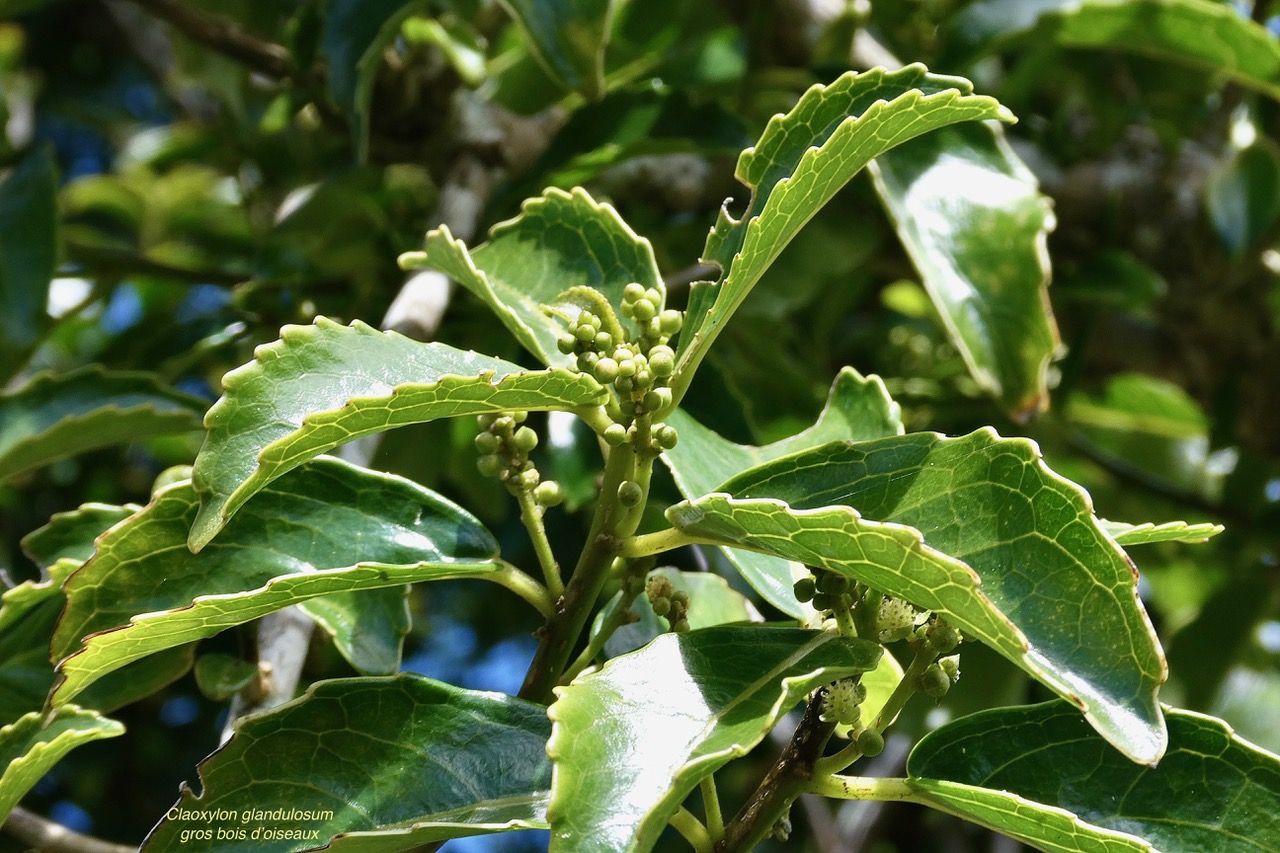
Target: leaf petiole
693	831
522	585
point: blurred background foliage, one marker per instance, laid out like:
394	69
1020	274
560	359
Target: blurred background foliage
222	169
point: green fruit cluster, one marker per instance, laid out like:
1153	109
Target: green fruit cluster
668	602
504	444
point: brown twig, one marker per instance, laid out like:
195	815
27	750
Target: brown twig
225	37
49	837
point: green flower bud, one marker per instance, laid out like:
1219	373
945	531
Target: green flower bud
805	589
630	494
833	582
606	370
670	321
585	334
643	310
486	420
951	666
680	597
633	292
566	343
824	601
626	367
661	606
525	439
504	425
519	416
625	384
681	625
662	361
490	464
643	377
487	442
549	493
870	743
943	637
529	479
603	341
666	436
934	682
615	434
652	295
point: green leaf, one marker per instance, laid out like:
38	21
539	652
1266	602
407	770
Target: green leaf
857	409
28	252
1170	531
30	747
368	627
568	37
327	528
1058	597
222	676
711	602
52	417
803	159
321	386
559	240
71	535
353	37
631	740
390	764
1199	34
1243	196
974	222
1212	790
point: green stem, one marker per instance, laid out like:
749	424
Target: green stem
595	417
522	585
656	543
864	788
559	635
693	831
531	515
711	803
620	616
844	619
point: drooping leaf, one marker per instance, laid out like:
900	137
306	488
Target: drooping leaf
631	740
33	744
1170	531
390	764
353	36
857	409
52	417
71	535
1211	791
368	627
326	528
321	386
711	602
971	216
1199	34
568	37
559	240
1058	596
28	252
1243	196
803	159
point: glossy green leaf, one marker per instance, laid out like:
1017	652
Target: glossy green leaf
52	417
803	158
353	36
711	602
972	218
1170	531
1243	196
326	528
1211	791
1058	597
28	615
31	746
559	240
568	37
321	386
390	764
631	740
1200	34
28	252
857	409
71	535
367	627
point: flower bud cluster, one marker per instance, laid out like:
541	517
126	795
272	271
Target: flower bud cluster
938	677
504	445
668	602
828	591
842	702
639	369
